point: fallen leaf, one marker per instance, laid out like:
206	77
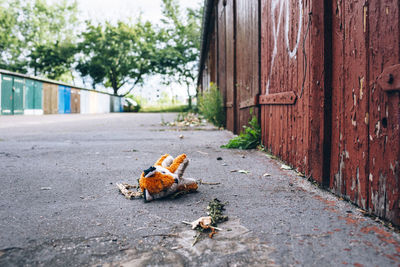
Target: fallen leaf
285	167
362	211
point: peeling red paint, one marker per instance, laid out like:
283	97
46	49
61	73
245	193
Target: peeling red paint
332	210
392	257
377	230
351	220
325	201
385	237
368	243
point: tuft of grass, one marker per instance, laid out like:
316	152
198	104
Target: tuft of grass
249	139
211	106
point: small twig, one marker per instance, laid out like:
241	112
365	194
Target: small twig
196	239
164	235
208	183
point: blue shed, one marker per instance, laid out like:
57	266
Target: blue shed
64	99
61	99
67	99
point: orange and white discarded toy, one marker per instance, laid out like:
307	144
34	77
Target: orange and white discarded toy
165	178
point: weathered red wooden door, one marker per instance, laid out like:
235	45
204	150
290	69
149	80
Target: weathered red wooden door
365	151
226	60
247	60
292	100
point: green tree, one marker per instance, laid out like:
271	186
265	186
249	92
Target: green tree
38	36
53	60
181	52
118	55
9	42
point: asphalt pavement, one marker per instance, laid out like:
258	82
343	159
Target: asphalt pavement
59	205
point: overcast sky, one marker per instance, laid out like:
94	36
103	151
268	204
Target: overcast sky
114	10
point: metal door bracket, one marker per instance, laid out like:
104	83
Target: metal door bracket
285	98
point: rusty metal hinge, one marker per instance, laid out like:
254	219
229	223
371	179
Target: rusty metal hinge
389	80
285	98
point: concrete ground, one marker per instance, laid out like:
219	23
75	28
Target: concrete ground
59	205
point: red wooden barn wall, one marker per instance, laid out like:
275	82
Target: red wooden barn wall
328	75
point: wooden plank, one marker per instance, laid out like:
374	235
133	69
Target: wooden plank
349	153
230	66
338	86
316	74
221	52
355	149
